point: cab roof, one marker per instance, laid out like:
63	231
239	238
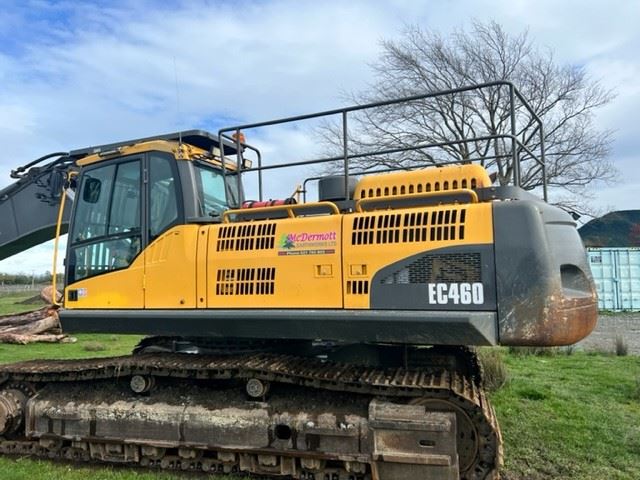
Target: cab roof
197	138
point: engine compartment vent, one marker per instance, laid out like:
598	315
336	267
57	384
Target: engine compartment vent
250	236
442	268
432	179
246	281
425	226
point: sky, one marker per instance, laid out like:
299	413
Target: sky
75	74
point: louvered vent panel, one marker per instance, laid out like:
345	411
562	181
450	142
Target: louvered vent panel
420	187
447	224
246	281
357	287
444	268
250	236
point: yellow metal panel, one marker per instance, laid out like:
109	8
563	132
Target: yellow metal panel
324	270
117	289
171	269
431	179
284	263
291	210
374	240
201	267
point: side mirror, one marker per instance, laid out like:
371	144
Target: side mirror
56	181
91	190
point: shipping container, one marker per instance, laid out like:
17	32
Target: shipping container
616	272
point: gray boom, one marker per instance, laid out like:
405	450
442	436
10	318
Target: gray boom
29	207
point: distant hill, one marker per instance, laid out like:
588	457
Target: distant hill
615	229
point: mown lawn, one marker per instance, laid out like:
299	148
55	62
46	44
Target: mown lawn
571	417
12	302
562	417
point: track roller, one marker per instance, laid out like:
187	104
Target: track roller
257	388
142	383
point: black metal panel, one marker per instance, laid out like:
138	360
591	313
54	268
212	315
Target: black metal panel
197	138
405	285
331	188
545	289
401	327
525	267
29	214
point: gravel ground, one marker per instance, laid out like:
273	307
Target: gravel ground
610	326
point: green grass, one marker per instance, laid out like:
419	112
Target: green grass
29	469
570	417
9	302
562	416
83	348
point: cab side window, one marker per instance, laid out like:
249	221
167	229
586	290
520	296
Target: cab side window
124	214
93	204
163	195
107	227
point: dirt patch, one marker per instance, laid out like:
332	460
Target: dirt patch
35	300
611	326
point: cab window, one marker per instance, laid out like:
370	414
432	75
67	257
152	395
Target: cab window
163	195
106	234
213	197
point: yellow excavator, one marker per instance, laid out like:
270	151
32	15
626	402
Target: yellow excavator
329	339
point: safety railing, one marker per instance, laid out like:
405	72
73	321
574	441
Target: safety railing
233	134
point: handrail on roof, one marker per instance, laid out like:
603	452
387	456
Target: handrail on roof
516	145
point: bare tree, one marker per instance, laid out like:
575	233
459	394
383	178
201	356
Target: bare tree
422	61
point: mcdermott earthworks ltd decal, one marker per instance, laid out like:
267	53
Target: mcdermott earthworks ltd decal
308	243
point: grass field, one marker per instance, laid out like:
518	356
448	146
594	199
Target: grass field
10	302
562	417
571	417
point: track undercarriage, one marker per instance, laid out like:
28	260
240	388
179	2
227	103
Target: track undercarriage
266	413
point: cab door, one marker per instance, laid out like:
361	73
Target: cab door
105	259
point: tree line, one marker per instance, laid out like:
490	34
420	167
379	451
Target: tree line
28	279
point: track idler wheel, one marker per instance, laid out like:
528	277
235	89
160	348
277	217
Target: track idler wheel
479	447
257	388
12	403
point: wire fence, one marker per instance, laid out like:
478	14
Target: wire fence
30	287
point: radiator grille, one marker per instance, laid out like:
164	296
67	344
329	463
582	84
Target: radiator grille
246	281
357	287
445	268
446	224
252	236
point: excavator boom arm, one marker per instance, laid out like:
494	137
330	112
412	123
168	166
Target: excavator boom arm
29	206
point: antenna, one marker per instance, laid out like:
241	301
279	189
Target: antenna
175	73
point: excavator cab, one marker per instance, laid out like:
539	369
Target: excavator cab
136	217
